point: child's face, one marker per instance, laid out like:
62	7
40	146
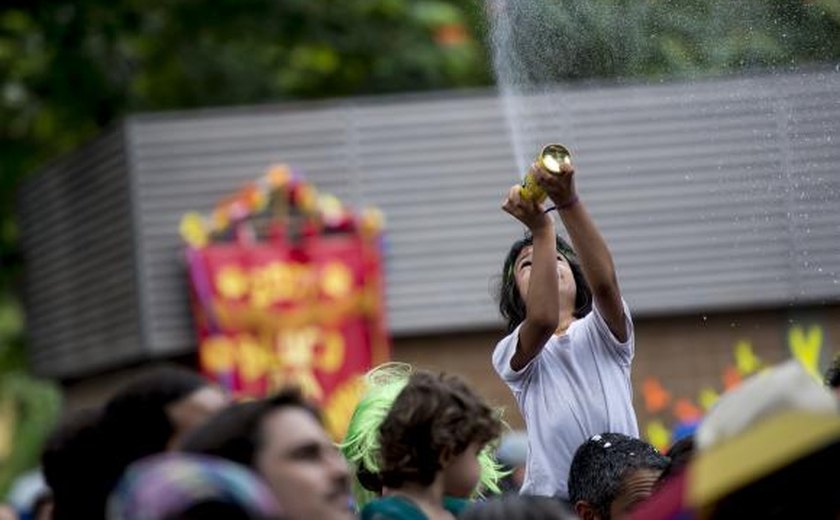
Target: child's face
461	474
522	274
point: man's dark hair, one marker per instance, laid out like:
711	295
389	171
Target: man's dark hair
511	304
235	433
136	421
679	455
434	417
832	375
71	463
602	462
518	507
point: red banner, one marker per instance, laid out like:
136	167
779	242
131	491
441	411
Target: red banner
275	313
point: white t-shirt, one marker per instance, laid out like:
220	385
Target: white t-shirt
576	387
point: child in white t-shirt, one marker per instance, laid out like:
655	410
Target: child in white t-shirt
570	345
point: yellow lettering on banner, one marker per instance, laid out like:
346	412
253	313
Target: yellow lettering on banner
232	282
295	352
336	280
331	356
218	354
279	281
253	360
806	348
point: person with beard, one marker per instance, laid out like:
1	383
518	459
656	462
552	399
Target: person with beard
282	438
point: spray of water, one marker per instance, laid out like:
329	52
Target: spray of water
526	51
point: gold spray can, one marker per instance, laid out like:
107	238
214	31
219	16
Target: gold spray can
551	158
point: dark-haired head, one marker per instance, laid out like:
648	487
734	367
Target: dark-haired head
518	507
832	375
435	420
283	440
151	414
611	473
511	304
71	451
236	432
679	456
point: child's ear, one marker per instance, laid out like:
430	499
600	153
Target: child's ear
585	511
445	457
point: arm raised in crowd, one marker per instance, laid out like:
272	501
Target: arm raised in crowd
590	246
537	268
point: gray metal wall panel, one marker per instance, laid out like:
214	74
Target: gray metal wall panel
77	242
712	194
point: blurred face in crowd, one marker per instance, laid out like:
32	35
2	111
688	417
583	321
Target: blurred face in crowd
7	513
193	410
305	470
635	488
461	474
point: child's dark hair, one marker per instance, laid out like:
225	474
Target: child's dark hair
511	304
433	418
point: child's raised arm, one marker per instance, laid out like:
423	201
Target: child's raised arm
542	301
591	248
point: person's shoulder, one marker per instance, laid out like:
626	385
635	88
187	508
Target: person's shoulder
391	508
456	506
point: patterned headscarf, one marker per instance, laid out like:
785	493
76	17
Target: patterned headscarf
167	484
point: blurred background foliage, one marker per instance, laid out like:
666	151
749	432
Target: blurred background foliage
70	68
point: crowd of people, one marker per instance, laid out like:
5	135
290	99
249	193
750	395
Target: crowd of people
425	445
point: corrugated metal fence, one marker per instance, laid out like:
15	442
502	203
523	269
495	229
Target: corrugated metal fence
712	195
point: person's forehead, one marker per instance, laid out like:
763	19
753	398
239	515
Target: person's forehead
526	251
290	427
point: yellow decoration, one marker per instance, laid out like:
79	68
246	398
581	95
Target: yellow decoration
232	282
253	360
218	354
745	359
336	280
708	397
332	356
278	175
329	206
295	352
193	230
341	404
220	219
806	348
307	198
373	220
658	435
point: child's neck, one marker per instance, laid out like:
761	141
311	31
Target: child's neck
564	322
428	498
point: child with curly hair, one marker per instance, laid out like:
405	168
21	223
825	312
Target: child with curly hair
429	446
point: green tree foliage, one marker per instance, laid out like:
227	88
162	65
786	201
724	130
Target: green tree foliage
29	409
670	38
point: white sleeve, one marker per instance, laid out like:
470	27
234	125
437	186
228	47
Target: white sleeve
622	351
503	353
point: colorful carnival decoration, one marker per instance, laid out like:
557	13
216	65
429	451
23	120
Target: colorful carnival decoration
287	289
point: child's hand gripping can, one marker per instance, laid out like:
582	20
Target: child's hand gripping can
550	158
